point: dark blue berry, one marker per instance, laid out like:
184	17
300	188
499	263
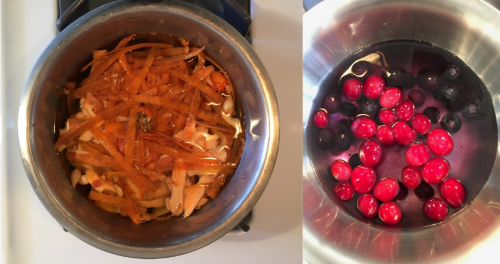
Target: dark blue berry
345	124
424	191
453	72
451	122
326	138
343	140
349	110
369	107
361	68
417	97
403	192
333	104
394	77
433	114
354	161
472	109
427	80
408	81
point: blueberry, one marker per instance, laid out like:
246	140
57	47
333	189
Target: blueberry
427	80
433	114
332	103
403	192
354	161
446	93
360	68
417	97
345	124
424	191
472	109
369	107
343	140
451	122
394	77
408	81
453	72
349	110
326	138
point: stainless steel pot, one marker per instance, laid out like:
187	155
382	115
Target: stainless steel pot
110	232
333	30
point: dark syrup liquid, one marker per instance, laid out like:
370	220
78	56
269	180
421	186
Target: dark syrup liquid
475	144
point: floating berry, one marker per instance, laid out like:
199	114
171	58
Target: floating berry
352	89
385	134
435	208
421	124
363	179
360	68
424	191
417	154
473	109
363	127
343	140
367	205
453	72
411	177
435	170
417	97
345	124
453	192
343	190
427	80
403	133
390	213
408	81
332	103
369	107
433	114
405	110
395	76
354	161
446	93
403	192
440	142
451	122
390	97
341	170
321	118
326	138
370	153
349	110
386	116
373	86
386	189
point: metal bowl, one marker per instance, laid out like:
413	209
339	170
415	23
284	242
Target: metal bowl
333	31
111	232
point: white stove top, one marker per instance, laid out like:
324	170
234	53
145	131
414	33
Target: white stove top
30	235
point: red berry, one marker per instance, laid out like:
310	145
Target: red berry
367	205
405	110
390	213
363	179
411	177
440	142
435	170
386	189
386	116
421	124
343	190
417	154
352	89
321	118
453	192
370	152
403	133
435	208
374	86
385	134
390	97
341	170
363	127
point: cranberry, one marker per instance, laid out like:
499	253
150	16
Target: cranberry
427	80
370	152
363	127
390	97
373	86
417	97
417	154
390	213
332	103
386	116
367	205
341	170
321	118
433	114
343	140
386	189
424	191
385	134
440	142
403	133
403	192
435	170
326	138
411	177
363	179
453	192
354	161
421	124
405	110
451	122
435	208
343	190
352	89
